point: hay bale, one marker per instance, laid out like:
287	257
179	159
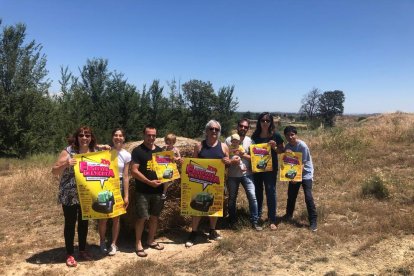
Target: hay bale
185	145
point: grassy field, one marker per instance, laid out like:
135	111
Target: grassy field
363	189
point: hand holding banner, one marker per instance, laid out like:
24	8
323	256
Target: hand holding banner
97	181
290	164
261	158
202	187
164	165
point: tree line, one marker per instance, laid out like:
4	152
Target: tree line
34	121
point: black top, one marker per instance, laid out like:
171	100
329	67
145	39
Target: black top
208	152
143	156
275	137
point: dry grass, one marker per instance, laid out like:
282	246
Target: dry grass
357	235
30	209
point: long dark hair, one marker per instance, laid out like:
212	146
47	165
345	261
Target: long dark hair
74	142
115	130
271	129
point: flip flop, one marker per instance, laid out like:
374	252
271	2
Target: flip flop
141	253
156	246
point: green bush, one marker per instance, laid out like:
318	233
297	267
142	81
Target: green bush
375	186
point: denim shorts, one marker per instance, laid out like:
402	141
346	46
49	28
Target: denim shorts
148	205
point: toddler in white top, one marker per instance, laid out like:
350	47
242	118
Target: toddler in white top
236	149
170	140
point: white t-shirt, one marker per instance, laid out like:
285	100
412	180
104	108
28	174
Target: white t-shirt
124	157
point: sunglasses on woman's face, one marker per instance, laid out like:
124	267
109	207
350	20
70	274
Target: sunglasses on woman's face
81	135
265	121
214	129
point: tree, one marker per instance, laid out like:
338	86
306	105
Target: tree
310	103
158	106
103	100
331	104
248	114
225	108
178	113
121	105
200	98
24	99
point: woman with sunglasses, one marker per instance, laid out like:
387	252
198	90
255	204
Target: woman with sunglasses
266	133
124	157
210	148
82	141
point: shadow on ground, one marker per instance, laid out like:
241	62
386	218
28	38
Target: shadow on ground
58	255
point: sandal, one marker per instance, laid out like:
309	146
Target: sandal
70	261
141	253
156	246
273	226
84	255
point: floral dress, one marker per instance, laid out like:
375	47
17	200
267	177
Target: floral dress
68	193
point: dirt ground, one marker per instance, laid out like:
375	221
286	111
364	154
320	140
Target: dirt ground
32	244
385	258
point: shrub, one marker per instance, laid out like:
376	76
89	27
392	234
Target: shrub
375	186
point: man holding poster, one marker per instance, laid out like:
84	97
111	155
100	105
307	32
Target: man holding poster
237	176
296	145
210	148
148	190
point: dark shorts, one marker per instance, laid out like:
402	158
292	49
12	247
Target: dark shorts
148	205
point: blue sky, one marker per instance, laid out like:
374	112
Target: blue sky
273	52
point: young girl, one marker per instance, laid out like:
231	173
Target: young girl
170	140
124	157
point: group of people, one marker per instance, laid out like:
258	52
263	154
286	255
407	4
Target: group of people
150	193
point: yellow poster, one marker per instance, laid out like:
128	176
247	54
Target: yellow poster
261	158
164	165
290	164
202	187
97	180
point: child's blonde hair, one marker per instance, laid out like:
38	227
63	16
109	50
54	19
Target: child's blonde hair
170	137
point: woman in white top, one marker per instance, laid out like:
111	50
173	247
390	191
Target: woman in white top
124	157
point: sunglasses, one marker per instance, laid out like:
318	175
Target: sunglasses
81	135
214	129
265	121
243	127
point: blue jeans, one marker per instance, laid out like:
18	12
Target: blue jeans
293	190
268	180
233	188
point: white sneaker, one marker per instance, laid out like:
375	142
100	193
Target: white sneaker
113	250
102	246
189	244
191	239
